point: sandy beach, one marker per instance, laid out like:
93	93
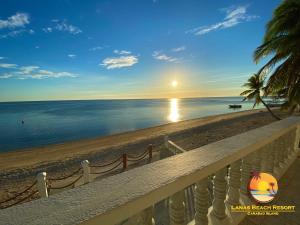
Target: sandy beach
19	168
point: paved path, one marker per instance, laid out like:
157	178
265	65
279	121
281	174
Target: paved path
289	187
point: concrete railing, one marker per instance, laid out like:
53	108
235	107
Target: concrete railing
132	195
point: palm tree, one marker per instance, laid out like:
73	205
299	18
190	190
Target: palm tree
282	42
255	86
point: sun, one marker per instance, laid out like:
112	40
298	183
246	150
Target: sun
174	83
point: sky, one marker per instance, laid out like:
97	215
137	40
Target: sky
109	49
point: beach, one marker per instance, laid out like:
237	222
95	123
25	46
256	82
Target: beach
19	168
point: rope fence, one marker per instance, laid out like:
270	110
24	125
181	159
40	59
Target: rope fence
45	184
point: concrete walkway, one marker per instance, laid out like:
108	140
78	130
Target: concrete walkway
288	194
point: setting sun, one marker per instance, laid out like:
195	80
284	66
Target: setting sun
174	83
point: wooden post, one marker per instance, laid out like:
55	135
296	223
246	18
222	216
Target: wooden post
42	184
124	161
150	149
166	141
86	171
201	202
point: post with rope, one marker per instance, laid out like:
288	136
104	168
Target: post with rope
42	184
150	150
166	138
124	161
86	171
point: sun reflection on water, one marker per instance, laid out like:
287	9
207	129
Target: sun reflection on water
173	111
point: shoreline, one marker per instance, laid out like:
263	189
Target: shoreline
33	157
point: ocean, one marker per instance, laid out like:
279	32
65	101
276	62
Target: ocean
49	122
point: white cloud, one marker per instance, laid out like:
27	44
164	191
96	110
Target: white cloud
72	56
163	57
2	58
47	29
15	33
27	69
119	62
122	52
96	48
8	65
5	76
234	16
14	21
34	72
62	26
179	49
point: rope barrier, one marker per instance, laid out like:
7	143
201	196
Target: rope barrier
138	156
20	193
65	177
21	200
107	164
67	185
138	159
109	169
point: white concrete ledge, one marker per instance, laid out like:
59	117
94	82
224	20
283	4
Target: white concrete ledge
118	197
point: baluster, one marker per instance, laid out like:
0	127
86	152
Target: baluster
269	165
145	217
148	216
281	152
201	202
233	197
277	168
297	141
177	208
218	205
257	157
246	174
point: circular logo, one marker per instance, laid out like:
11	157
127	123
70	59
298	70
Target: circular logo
263	187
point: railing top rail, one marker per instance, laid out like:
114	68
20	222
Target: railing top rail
118	197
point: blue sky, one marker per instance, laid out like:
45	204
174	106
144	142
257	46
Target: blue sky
64	49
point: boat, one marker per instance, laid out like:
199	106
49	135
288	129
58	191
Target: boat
235	106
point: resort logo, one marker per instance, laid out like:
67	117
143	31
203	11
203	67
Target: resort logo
262	187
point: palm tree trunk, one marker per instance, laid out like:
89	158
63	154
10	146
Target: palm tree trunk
270	111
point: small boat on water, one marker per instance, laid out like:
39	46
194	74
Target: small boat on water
235	106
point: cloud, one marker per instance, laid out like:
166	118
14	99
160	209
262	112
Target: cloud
14	21
119	62
27	69
122	52
16	33
72	56
5	76
62	26
34	72
234	16
163	57
179	49
96	48
8	65
2	58
47	29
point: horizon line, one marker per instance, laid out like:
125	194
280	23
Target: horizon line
107	99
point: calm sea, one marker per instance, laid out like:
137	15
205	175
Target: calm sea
49	122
